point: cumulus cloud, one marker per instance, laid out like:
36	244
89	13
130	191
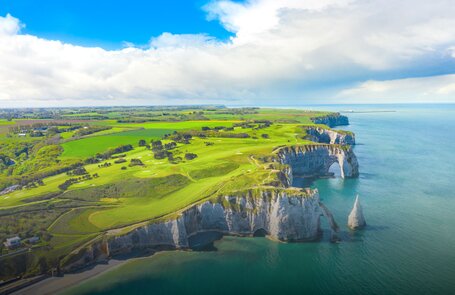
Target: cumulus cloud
403	90
288	51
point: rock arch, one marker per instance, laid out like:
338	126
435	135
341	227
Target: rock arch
315	160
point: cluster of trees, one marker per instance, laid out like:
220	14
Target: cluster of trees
180	137
170	145
36	176
158	150
255	124
161	151
105	165
34	184
213	133
237	111
5	162
64	186
78	171
109	154
217	128
87	130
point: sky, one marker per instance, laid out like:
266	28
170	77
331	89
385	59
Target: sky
251	52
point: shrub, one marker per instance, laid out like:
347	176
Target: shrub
136	162
190	156
77	171
171	145
160	154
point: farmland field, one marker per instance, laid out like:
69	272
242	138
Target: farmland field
89	146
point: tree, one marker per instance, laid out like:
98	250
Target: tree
142	142
190	156
157	144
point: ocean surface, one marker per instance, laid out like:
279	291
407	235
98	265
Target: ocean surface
407	190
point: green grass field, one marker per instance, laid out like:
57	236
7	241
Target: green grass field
122	197
89	146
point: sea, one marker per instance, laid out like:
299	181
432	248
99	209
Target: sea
407	190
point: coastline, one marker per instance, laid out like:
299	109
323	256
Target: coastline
54	285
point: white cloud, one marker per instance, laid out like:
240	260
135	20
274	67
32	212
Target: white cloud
9	25
403	90
283	51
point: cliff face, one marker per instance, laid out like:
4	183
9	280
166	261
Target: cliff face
328	136
283	215
282	212
316	160
332	120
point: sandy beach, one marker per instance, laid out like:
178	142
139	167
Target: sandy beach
54	285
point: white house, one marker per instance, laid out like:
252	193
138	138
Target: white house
13	242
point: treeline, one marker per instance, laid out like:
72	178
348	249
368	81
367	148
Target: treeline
109	153
64	186
184	137
161	151
37	175
90	130
255	124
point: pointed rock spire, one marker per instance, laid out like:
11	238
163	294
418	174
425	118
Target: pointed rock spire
356	219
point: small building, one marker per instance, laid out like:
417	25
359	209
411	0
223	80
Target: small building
13	242
22	134
33	240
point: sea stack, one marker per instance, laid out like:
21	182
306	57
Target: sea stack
356	219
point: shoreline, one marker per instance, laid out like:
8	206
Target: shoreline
54	285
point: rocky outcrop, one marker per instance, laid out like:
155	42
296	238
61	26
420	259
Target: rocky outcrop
356	219
323	135
332	120
283	214
316	160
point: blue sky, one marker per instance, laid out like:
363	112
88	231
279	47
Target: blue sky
110	23
252	52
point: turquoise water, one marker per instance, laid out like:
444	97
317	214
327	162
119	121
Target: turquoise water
407	189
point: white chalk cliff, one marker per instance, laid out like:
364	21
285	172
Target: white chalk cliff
316	160
280	211
356	219
324	135
283	214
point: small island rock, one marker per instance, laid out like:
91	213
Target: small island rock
356	219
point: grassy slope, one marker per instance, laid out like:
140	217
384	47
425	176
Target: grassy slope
101	141
233	159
